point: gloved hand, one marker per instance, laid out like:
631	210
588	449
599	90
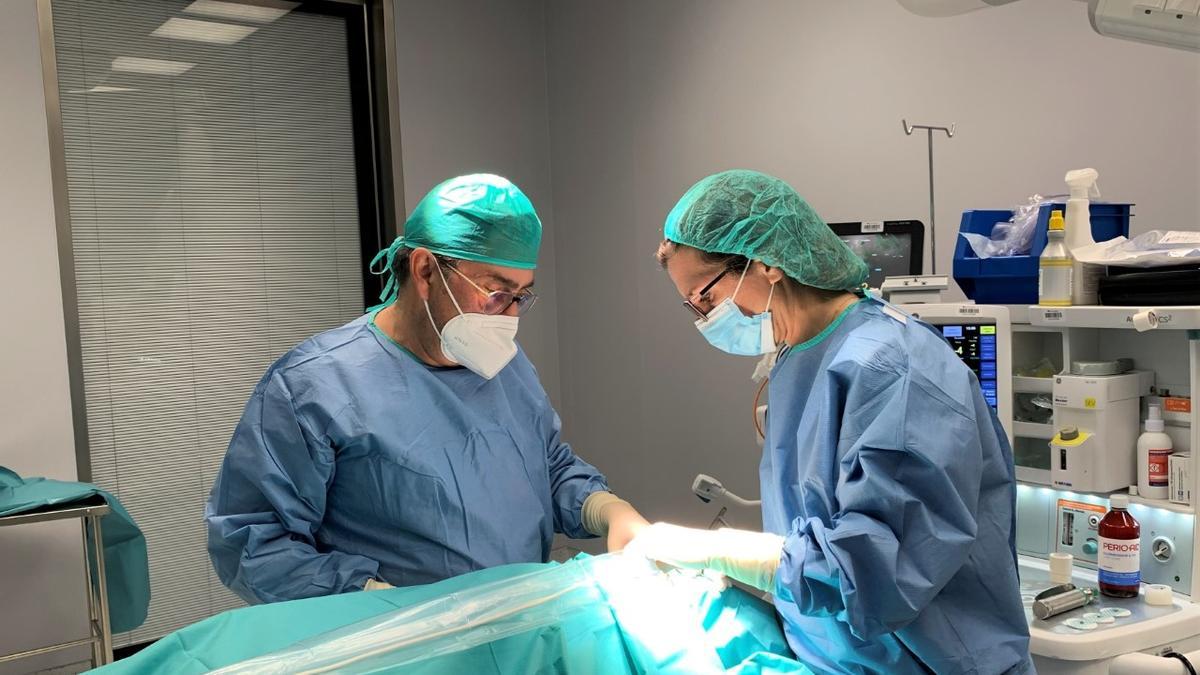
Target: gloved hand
376	585
748	557
607	515
624	524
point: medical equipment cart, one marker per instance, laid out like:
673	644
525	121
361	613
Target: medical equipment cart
89	512
1164	343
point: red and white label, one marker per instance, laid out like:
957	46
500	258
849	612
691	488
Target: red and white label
1160	467
1177	405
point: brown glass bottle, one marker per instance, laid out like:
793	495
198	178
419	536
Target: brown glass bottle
1119	557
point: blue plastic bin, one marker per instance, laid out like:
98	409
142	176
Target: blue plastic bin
1014	280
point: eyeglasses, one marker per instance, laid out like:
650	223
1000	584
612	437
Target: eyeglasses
498	302
703	316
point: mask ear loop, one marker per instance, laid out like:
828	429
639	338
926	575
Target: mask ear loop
428	312
762	387
757	396
431	321
769	341
448	291
741	279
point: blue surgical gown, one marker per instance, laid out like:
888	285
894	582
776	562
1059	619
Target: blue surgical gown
354	460
892	482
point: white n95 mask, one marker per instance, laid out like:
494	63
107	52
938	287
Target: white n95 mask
480	343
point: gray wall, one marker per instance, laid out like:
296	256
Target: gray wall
40	565
630	103
648	97
471	78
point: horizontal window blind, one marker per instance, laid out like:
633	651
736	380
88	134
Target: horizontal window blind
214	224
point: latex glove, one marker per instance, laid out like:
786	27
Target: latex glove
624	524
749	557
607	515
377	585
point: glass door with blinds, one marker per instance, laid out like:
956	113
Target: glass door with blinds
220	201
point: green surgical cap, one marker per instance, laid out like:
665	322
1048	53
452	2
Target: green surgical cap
760	217
481	217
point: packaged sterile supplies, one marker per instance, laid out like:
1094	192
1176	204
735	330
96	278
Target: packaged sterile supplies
1156	248
1181	478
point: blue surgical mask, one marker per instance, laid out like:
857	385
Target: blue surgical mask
731	331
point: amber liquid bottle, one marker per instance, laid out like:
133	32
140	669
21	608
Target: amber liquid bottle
1120	555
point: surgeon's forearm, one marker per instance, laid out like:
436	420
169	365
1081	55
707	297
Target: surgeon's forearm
750	557
624	524
598	510
606	515
273	574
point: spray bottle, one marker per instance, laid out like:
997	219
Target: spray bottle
1085	278
1154	450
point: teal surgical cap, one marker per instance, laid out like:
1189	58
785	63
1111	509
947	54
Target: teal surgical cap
760	217
481	217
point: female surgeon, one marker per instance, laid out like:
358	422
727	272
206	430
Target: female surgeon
887	481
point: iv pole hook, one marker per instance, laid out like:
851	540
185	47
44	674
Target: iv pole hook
908	131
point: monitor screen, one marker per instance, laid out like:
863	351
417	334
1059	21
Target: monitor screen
886	255
975	344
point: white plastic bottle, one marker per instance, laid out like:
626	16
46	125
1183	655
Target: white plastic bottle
1154	450
1055	267
1086	277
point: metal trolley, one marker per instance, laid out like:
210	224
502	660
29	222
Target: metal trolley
89	512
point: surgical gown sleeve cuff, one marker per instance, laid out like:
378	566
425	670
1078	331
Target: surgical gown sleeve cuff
595	516
805	576
569	500
572	481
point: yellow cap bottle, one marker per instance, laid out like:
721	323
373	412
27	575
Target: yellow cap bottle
1055	279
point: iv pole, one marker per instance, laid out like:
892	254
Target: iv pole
908	130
